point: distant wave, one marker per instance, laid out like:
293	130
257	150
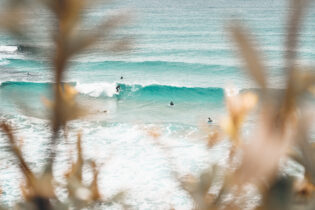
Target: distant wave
206	55
163	59
10	52
17	48
202	61
25	84
20	52
154	66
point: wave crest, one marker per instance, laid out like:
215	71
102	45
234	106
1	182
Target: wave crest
148	92
97	89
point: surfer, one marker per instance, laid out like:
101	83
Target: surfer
117	88
210	120
171	103
27	49
121	77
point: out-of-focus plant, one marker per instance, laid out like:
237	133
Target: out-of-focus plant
282	128
68	40
282	131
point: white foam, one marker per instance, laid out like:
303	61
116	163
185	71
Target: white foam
10	49
97	89
231	91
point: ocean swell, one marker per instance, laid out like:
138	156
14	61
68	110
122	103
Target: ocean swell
152	92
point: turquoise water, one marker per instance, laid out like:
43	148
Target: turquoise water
181	53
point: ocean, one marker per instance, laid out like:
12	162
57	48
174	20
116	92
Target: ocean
182	53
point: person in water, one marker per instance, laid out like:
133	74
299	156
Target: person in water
171	103
121	77
117	88
210	120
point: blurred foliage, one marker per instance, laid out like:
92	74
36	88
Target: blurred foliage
39	190
282	128
282	125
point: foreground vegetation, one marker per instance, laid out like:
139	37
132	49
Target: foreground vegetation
282	129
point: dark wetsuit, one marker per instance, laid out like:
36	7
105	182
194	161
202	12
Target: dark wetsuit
117	88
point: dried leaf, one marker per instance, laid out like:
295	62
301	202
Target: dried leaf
253	62
238	107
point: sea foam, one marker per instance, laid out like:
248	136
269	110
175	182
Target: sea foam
97	89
